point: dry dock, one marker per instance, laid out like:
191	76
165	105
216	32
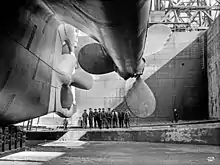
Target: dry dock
116	153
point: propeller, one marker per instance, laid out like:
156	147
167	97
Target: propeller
66	72
79	79
140	98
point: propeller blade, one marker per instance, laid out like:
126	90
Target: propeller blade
82	80
66	67
67	36
157	37
94	60
67	112
66	49
82	41
140	99
66	97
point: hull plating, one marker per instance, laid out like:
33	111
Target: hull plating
30	52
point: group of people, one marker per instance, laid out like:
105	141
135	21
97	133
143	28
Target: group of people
105	119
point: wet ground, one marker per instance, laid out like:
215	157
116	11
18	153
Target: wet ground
115	153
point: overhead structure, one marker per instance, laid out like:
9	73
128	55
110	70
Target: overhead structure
185	15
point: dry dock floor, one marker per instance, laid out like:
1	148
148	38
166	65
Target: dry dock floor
115	153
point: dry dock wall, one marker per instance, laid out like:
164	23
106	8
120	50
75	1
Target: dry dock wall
204	134
182	84
213	63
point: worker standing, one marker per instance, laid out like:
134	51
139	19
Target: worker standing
85	117
115	118
103	116
91	115
65	123
127	116
80	122
100	118
95	118
109	117
176	116
121	119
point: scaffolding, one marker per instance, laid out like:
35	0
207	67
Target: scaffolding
185	15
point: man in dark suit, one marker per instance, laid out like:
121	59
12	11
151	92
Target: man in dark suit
85	117
127	116
115	118
100	118
109	117
121	118
176	115
91	115
95	114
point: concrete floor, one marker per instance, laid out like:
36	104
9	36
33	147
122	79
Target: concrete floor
115	153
